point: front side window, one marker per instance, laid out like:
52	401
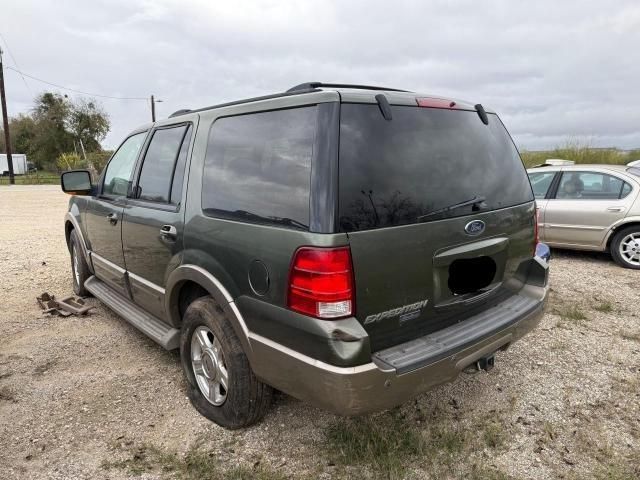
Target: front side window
155	181
540	182
118	172
590	186
258	167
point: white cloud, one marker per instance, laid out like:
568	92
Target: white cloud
552	70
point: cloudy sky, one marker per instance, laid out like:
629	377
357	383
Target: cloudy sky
553	70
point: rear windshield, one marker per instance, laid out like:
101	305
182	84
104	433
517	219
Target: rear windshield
413	168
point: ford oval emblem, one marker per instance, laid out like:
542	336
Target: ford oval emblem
475	227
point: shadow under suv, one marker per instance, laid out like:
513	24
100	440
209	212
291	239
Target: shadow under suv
351	246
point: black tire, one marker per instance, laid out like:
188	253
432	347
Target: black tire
618	238
83	272
247	399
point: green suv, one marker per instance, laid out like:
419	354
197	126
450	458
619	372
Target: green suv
351	246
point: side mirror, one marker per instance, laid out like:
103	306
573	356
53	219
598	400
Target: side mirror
76	182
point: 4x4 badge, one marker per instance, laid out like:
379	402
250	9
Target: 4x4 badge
475	227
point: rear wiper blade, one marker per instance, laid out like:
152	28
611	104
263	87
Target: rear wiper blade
289	221
271	219
472	201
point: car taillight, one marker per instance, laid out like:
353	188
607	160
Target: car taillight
321	282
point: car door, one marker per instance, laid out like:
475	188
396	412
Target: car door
584	207
152	227
541	183
104	214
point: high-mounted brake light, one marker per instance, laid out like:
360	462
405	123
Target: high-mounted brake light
321	282
435	102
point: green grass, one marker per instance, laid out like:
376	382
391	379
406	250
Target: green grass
604	307
383	442
480	472
580	152
570	315
621	469
494	434
44	178
387	444
195	464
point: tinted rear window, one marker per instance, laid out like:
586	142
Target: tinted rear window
258	167
425	159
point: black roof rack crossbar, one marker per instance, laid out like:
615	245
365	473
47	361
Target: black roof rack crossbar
288	93
313	85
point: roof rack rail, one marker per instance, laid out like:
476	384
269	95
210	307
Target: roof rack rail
288	93
179	112
314	85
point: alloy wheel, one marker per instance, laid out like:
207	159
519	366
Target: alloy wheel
209	367
630	249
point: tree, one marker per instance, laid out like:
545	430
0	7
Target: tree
58	125
88	124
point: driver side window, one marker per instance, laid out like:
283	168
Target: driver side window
118	172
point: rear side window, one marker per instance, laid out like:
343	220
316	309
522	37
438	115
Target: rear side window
540	182
258	167
178	173
412	168
160	161
591	186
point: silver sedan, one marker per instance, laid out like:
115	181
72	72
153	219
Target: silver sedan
590	207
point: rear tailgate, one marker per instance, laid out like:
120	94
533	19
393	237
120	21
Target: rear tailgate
420	266
402	274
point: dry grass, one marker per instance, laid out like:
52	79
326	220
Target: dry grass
580	152
629	335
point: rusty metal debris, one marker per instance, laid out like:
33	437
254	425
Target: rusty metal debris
65	307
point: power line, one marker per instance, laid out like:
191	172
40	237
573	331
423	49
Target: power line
72	89
14	61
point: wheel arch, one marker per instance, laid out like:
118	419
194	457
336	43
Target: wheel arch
191	282
71	224
635	222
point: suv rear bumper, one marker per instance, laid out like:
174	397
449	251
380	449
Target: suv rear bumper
391	378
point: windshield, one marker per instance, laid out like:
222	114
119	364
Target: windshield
424	160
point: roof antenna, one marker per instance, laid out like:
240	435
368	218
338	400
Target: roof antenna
385	108
482	114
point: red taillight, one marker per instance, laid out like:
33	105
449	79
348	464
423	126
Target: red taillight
321	282
435	102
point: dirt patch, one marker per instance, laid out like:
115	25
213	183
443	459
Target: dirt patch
93	398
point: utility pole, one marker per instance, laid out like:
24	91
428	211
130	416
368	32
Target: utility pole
5	120
153	109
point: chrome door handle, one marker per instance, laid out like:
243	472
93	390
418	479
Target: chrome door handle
169	232
615	209
113	218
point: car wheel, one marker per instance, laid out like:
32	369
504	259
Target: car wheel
625	247
79	268
221	384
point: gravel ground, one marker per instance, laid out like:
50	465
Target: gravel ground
78	393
